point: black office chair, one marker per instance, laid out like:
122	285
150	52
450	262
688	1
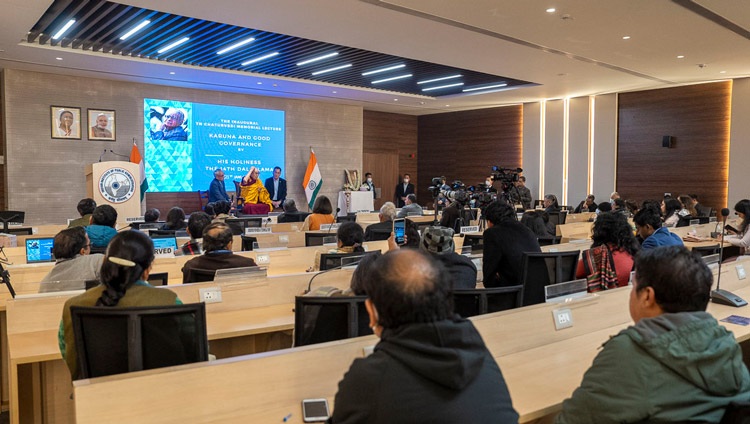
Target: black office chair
333	260
548	241
98	249
316	239
379	234
707	250
292	217
247	243
23	231
90	284
162	233
197	275
476	241
119	340
350	217
158	279
11	217
557	218
472	302
543	269
419	224
325	319
736	413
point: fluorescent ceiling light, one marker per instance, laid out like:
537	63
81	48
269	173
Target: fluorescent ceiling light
392	78
65	28
258	59
443	86
325	71
487	87
377	71
173	45
135	29
236	45
439	79
315	59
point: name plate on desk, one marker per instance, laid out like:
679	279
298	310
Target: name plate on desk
363	211
329	227
135	219
469	229
256	230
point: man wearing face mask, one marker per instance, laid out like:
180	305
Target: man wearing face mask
488	185
368	185
430	365
402	190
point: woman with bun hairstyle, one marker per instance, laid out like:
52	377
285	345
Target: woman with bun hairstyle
124	272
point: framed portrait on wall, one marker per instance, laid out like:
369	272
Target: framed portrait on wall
65	122
101	124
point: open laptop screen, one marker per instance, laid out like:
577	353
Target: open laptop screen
39	250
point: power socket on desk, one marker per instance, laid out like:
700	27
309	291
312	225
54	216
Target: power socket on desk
210	295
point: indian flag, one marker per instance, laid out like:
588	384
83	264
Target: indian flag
135	157
313	180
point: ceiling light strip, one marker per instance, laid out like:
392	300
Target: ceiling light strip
236	45
173	45
319	58
439	79
485	87
377	71
443	86
135	29
335	68
64	29
392	78
258	59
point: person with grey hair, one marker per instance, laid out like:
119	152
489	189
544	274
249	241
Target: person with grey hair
217	248
411	207
171	128
382	230
217	190
291	214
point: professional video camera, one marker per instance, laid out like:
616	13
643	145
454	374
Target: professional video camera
506	177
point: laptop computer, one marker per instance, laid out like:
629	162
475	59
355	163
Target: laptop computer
39	250
165	246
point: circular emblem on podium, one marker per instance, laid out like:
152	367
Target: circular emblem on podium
116	185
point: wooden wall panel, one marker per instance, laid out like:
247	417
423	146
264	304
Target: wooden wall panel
465	145
698	117
389	133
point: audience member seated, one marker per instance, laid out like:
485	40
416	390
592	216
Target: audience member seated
175	220
670	209
536	221
614	196
387	213
430	365
452	212
291	214
688	210
349	239
505	242
217	247
702	210
221	210
550	203
152	215
322	214
619	207
209	210
73	262
587	205
676	364
604	207
196	224
254	194
632	207
608	263
124	272
102	227
741	238
438	241
648	225
411	207
85	209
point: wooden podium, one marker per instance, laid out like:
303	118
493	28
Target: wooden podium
115	183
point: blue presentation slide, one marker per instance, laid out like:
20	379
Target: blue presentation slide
185	142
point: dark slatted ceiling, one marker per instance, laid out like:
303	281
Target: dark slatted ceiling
100	24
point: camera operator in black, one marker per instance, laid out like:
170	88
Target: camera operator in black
452	213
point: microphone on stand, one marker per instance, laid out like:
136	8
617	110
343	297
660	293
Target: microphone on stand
117	154
102	155
330	227
720	296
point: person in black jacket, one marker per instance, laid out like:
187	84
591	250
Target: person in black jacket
430	365
278	196
403	190
505	241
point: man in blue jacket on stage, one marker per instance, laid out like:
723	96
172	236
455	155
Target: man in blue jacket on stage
217	190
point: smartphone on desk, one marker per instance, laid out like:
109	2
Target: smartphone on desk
399	229
315	410
729	227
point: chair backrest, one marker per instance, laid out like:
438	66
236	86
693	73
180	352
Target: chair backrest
333	260
90	284
471	302
324	319
118	340
548	241
421	225
161	233
98	249
237	189
350	217
158	278
543	269
202	199
239	224
736	413
197	275
707	250
476	241
557	218
23	231
247	242
379	234
316	239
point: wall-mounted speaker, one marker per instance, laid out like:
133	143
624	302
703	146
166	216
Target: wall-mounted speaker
667	141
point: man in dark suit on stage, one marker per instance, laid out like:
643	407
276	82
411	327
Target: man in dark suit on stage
276	187
217	190
402	190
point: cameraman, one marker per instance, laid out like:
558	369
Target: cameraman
521	194
452	213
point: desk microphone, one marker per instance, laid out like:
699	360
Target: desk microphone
309	284
266	221
330	227
102	155
720	296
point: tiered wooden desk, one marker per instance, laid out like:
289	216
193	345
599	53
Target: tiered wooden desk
541	367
